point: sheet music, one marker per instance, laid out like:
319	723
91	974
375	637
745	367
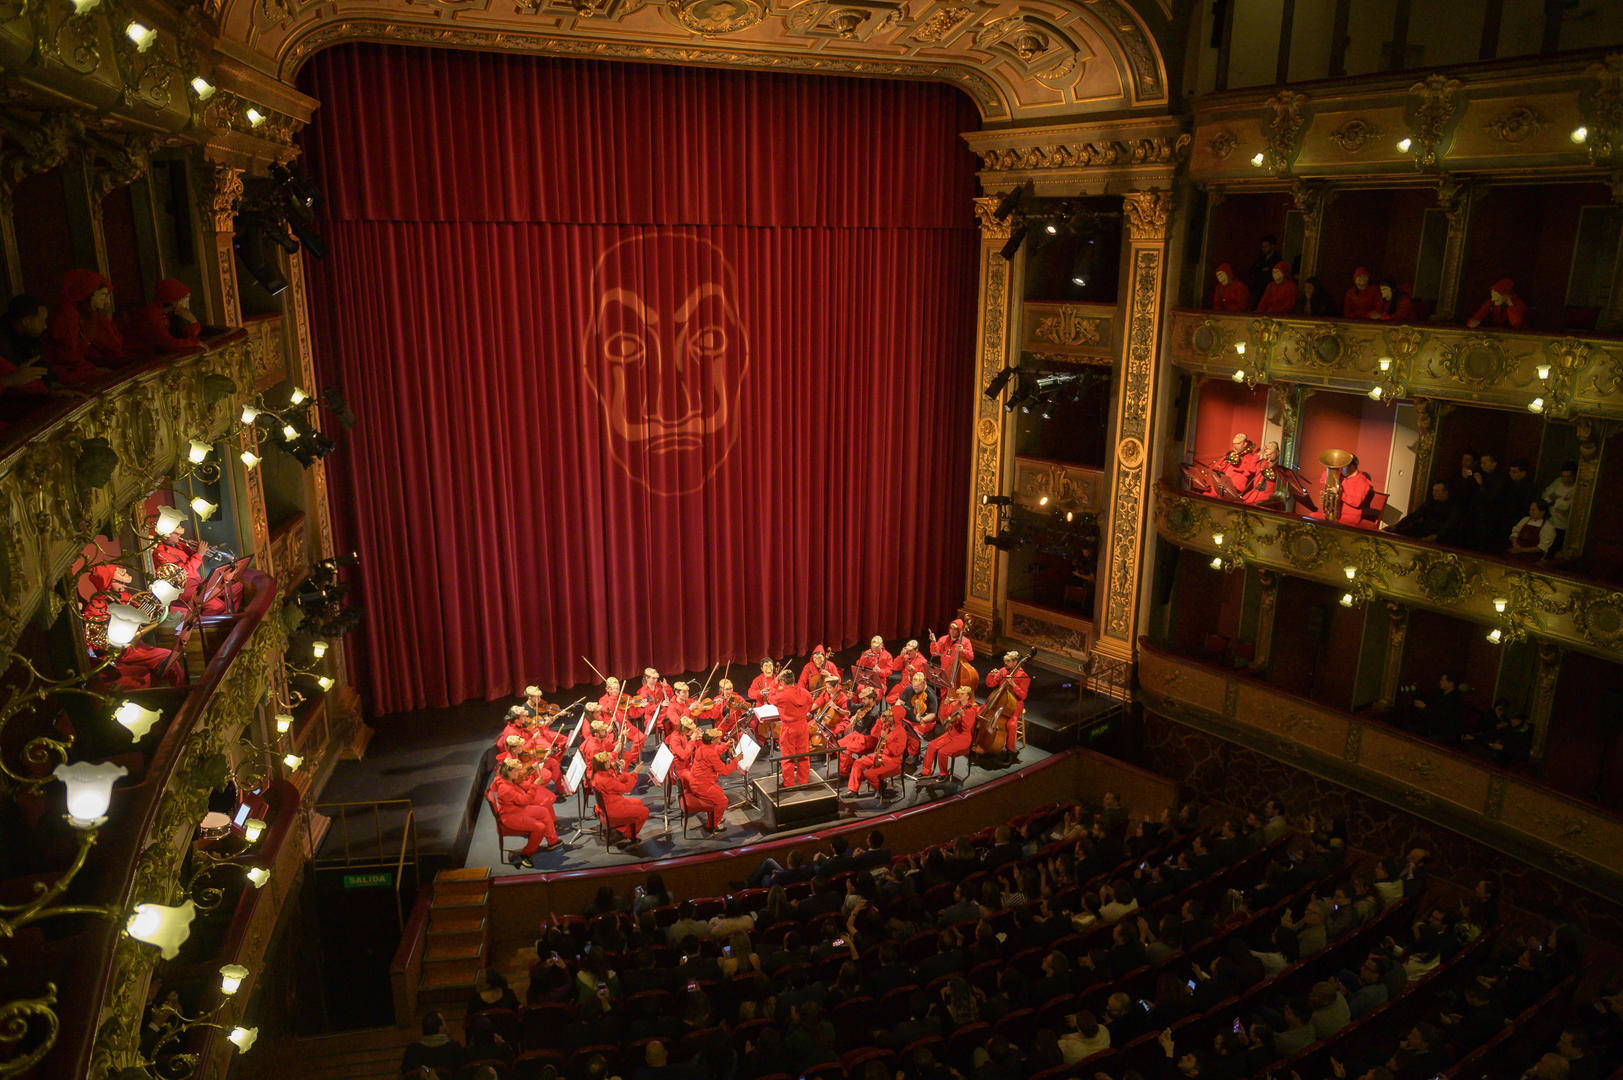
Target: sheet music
767	712
748	748
661	764
648	728
573	734
575	773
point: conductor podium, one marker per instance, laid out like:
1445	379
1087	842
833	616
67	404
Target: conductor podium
793	807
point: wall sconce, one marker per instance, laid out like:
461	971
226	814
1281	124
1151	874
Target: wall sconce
1249	372
242	1038
1580	135
169	519
248	458
1257	160
1543	371
252	830
1216	563
161	925
255	117
1384	363
202	88
1496	635
297	397
1376	393
1536	405
1217	538
250	413
258	876
141	35
90	789
1350	571
198	452
136	720
208	897
1500	604
203	508
231	976
1347	599
319	647
124	624
1404	144
284	723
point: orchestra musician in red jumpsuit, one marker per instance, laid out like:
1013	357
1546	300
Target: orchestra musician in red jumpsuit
907	662
525	807
611	785
860	737
884	762
876	659
761	688
951	646
794	736
818	669
959	716
701	789
1020	686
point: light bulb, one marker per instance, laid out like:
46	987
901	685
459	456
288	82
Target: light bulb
163	926
1536	405
293	761
297	397
1403	145
1217	538
1216	563
198	452
318	649
1239	347
255	117
136	720
1543	371
1256	160
1043	501
289	432
90	789
284	723
1051	229
1496	636
170	518
1580	135
249	414
80	7
142	35
243	1038
257	876
203	508
165	592
231	976
123	623
1500	604
252	829
1384	363
1350	571
248	458
1375	393
1070	515
325	682
1238	376
202	88
1346	599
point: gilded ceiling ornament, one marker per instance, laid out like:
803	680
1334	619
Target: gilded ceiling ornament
1517	125
38	147
1355	134
1454	198
1121	24
1222	144
715	17
121	164
1431	106
1311	197
1284	130
940	23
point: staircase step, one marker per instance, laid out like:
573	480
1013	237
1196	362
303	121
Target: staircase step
456	921
466	873
449	974
454	949
460	896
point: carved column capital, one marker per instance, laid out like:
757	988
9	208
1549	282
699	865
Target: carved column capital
220	190
986	218
1149	213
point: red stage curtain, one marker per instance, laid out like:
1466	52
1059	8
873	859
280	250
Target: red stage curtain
653	365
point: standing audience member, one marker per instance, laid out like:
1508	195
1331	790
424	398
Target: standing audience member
1558	495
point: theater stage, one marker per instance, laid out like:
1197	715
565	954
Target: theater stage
440	761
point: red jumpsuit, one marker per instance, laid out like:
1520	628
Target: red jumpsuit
1279	298
886	761
701	790
526	808
1234	296
760	690
1356	491
681	748
860	738
77	341
794	736
905	665
138	665
151	328
225	599
1020	686
1360	303
1265	485
625	814
809	672
955	741
877	661
1238	468
941	649
1512	316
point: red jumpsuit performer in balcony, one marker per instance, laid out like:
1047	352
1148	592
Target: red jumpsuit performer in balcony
176	550
1502	308
81	342
1361	298
138	665
959	717
166	325
702	789
611	783
1395	305
1019	686
1237	468
860	737
524	806
1270	476
1231	293
886	760
794	735
1279	298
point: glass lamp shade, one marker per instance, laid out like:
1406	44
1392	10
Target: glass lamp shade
252	829
249	414
318	648
136	720
242	1038
284	723
1346	599
255	117
325	682
1217	563
289	432
203	508
90	789
202	88
249	459
165	592
293	761
231	976
297	397
1238	376
141	35
123	623
198	452
257	876
163	926
170	518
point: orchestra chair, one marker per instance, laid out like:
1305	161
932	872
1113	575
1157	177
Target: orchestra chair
503	834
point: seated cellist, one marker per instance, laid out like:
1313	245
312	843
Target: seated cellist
958	716
1019	686
611	783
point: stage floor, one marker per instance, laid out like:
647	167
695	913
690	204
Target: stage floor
742	824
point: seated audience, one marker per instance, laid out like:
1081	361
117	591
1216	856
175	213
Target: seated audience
1394	304
1437	519
167	324
1231	293
1532	537
81	341
1362	298
1502	309
435	1050
1279	298
1314	300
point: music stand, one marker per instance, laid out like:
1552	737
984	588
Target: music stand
572	785
659	770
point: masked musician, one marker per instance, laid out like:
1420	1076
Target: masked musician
794	735
876	660
176	550
611	783
958	715
818	670
598	738
683	742
725	711
138	665
1019	686
524	806
859	737
952	646
612	700
702	788
516	725
903	667
534	703
918	702
762	687
885	761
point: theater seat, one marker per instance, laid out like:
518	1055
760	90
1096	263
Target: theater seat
1371	518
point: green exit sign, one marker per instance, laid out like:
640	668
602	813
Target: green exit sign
378	879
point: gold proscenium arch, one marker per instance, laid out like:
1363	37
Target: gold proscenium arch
1021	61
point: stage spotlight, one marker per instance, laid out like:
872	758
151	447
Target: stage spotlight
997	500
999	381
1086	263
1007	204
1024	390
1011	246
333	398
250	248
1003	541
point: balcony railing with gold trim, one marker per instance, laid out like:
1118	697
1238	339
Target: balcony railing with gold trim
1466	585
1560	375
1576	840
65	473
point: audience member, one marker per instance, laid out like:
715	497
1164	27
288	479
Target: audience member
1532	537
1394	304
167	324
1502	309
1558	495
1260	272
1231	293
1279	297
81	341
1314	300
1362	297
1437	519
435	1050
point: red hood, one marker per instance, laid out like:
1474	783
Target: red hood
102	576
1360	270
1503	285
1225	268
169	291
77	285
1284	268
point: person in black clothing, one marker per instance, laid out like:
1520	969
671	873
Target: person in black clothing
838	862
875	854
1314	299
1126	950
1462	486
1478	1019
1055	981
1422	1054
1261	271
1437	519
1005	850
1488	508
1441	717
490	991
1518	492
435	1050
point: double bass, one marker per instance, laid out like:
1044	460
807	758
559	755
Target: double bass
990	735
960	672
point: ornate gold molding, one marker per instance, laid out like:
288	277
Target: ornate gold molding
1431	107
980	588
1284	130
1148	214
220	189
986	217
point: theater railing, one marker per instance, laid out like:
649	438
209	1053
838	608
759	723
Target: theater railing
1521	817
1557	374
64	470
1498	593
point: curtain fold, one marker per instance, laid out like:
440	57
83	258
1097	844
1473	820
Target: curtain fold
652	365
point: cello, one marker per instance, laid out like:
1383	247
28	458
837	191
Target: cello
960	672
989	726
